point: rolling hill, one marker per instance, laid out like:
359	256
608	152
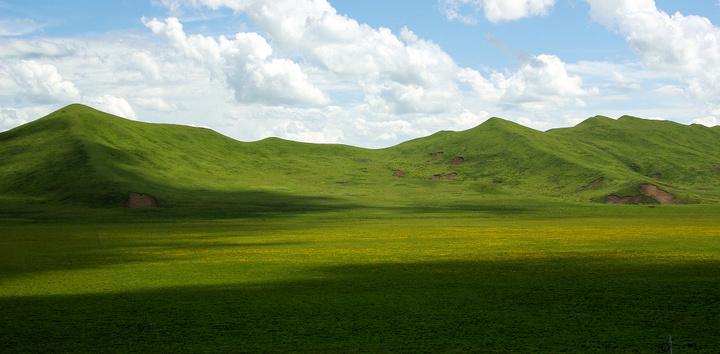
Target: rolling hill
82	156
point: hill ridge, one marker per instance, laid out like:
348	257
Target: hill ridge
98	158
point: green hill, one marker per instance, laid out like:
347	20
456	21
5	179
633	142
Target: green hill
83	156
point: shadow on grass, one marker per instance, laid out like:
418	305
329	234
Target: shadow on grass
245	204
96	185
18	258
573	303
248	205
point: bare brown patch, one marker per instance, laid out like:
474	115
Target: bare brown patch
445	176
399	173
646	190
140	201
630	199
434	156
656	193
458	160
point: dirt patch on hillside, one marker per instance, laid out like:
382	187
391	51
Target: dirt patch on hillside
656	193
457	161
399	173
434	156
445	176
631	199
646	190
140	201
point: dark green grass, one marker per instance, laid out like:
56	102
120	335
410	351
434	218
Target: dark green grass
602	302
372	280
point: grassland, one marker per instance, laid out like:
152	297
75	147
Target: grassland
79	155
284	246
496	278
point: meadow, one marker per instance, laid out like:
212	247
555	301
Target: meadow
495	276
497	238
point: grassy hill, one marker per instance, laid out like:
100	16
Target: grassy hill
480	240
83	156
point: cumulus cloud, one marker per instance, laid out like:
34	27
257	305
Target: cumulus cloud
298	131
466	11
309	73
146	64
37	82
540	81
12	117
245	62
687	47
708	121
36	47
397	73
155	104
113	105
412	70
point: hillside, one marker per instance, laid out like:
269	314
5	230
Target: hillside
83	156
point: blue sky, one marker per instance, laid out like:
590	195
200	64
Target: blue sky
444	64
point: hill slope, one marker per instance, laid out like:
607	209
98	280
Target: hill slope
81	155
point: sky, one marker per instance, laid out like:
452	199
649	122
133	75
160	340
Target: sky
370	73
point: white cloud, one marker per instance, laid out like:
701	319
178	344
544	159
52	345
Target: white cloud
18	27
708	121
385	86
146	64
32	48
540	82
400	74
37	82
12	117
154	104
113	105
386	65
312	74
466	11
245	63
543	77
670	90
296	130
687	47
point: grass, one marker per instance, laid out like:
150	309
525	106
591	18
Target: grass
284	246
369	279
96	159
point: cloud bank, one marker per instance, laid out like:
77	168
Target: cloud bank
305	71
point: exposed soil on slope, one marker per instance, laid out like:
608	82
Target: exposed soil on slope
656	193
436	155
399	173
140	201
631	199
646	190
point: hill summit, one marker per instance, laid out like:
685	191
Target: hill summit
83	156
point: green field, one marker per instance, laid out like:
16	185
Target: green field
282	246
371	280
